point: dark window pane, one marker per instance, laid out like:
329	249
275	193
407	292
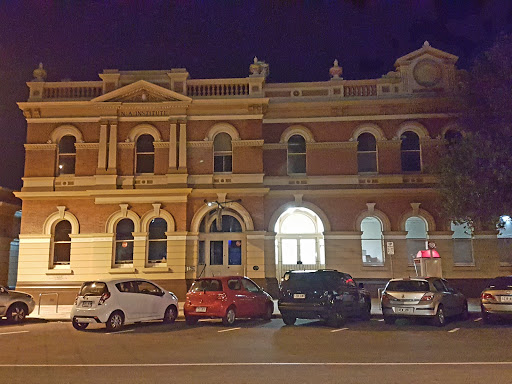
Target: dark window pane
296	163
66	164
93	288
206	285
62	231
216	253
367	162
145	144
411	161
410	141
222	163
157	229
222	142
201	258
366	142
61	252
234	252
229	224
145	163
157	251
124	252
408	286
296	144
124	230
67	144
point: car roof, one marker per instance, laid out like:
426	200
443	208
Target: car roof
222	277
416	278
115	281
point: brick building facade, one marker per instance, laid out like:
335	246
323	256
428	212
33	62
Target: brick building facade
157	175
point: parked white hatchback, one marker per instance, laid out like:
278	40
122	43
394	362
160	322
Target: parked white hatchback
122	301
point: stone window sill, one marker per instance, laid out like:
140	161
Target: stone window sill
60	271
116	271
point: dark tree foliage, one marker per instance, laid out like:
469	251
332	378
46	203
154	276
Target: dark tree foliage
476	172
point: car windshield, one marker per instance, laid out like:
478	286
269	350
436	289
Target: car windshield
408	286
310	281
93	288
206	285
501	283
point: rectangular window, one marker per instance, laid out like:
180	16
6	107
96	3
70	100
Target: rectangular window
463	252
61	252
235	252
413	247
124	251
296	163
157	251
201	259
216	253
505	250
367	161
145	163
372	251
222	163
289	251
308	251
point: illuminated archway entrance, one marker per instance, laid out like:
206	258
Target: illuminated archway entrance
299	241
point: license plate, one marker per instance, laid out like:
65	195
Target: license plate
299	295
200	309
87	304
506	299
403	310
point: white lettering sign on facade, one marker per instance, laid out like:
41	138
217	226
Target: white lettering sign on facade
141	113
390	248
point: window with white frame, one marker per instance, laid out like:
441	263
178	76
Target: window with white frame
462	244
222	153
505	240
410	152
145	154
66	157
157	241
61	243
372	242
124	242
296	155
416	238
366	153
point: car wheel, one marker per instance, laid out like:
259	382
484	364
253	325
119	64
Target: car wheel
366	311
335	320
439	319
465	312
16	313
191	320
389	320
170	315
79	326
115	321
229	317
268	312
289	320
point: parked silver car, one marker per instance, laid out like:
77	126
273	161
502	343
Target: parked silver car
422	297
496	299
14	305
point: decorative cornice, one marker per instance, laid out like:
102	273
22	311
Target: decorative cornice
200	144
87	145
51	147
247	143
126	145
335	144
161	144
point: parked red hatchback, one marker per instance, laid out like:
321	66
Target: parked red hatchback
228	298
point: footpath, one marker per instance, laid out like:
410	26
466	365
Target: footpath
62	312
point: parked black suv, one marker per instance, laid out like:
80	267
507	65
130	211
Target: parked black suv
325	294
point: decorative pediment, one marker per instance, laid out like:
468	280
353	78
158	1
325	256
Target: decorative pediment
427	50
141	92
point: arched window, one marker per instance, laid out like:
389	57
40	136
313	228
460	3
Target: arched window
124	242
416	238
66	156
222	153
462	244
452	137
157	241
505	240
61	243
228	224
410	150
296	154
145	154
372	242
366	153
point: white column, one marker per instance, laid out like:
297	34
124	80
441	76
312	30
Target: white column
172	148
102	151
183	147
112	149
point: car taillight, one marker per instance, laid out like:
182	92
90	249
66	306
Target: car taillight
488	296
221	296
76	300
427	297
103	298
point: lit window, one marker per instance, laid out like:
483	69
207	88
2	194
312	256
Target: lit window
296	154
222	153
62	243
505	240
67	156
157	242
124	242
145	156
410	151
366	153
462	244
416	238
372	242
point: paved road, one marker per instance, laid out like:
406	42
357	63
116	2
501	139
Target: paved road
255	351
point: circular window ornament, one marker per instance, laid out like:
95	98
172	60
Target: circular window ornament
427	73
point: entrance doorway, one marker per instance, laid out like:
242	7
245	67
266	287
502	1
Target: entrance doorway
221	248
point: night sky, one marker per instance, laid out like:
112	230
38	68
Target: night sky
78	39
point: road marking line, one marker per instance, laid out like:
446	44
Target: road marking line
224	364
478	319
230	329
11	333
381	319
453	330
337	330
115	333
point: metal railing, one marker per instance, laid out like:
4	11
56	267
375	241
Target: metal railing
46	294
